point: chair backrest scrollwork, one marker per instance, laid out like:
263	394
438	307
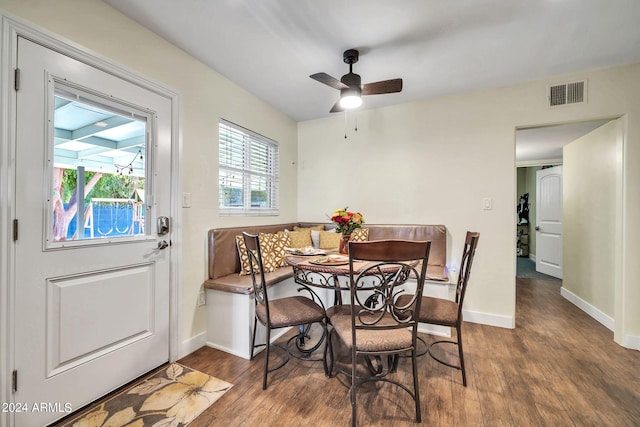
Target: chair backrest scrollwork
468	252
252	244
376	287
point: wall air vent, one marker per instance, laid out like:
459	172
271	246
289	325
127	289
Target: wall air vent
567	93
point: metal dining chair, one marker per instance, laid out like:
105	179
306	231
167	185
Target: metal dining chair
377	324
444	312
278	313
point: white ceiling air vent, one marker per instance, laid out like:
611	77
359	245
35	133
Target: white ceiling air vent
567	93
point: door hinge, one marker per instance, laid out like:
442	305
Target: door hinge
16	79
15	230
14	381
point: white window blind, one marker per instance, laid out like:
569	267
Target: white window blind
248	177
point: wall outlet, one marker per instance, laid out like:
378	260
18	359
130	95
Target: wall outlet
202	300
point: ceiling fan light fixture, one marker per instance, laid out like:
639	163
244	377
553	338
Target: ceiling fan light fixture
351	97
351	87
350	101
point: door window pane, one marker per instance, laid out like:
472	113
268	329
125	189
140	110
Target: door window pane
99	171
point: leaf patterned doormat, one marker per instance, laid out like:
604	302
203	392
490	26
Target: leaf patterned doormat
173	397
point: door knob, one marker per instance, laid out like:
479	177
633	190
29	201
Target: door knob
162	244
537	228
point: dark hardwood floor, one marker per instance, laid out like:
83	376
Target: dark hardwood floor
559	367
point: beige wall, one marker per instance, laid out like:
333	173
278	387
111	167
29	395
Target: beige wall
589	217
206	96
433	161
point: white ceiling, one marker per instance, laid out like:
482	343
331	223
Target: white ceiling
270	47
545	143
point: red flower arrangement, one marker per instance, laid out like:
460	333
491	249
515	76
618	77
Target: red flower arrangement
346	221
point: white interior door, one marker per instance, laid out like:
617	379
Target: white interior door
549	221
91	308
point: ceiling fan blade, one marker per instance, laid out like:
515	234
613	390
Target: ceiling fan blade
336	107
328	80
384	86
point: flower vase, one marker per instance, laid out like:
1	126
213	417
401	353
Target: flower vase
344	243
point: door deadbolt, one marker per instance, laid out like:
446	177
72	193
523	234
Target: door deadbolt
162	225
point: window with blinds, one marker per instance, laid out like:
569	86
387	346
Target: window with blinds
248	177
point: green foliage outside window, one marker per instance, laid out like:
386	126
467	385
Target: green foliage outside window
109	186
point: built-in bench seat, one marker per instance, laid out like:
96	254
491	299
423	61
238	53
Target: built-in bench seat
229	295
242	284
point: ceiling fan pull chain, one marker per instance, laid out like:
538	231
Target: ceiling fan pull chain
345	124
356	129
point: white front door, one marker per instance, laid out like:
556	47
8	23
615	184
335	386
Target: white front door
549	221
91	308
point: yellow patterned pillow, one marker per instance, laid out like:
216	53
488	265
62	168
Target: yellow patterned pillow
245	268
269	261
315	236
330	240
283	242
299	239
273	252
360	235
272	258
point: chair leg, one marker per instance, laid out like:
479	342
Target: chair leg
461	354
416	386
354	385
354	415
458	343
253	339
266	359
328	353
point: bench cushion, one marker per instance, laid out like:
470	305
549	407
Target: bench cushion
437	272
243	284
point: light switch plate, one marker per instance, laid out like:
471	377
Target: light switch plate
487	204
186	200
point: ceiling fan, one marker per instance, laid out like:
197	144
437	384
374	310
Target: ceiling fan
351	87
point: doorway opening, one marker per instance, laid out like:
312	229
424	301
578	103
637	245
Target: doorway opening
538	148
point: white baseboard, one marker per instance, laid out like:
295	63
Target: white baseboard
488	319
628	341
632	342
604	319
532	257
192	344
226	350
440	331
276	334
